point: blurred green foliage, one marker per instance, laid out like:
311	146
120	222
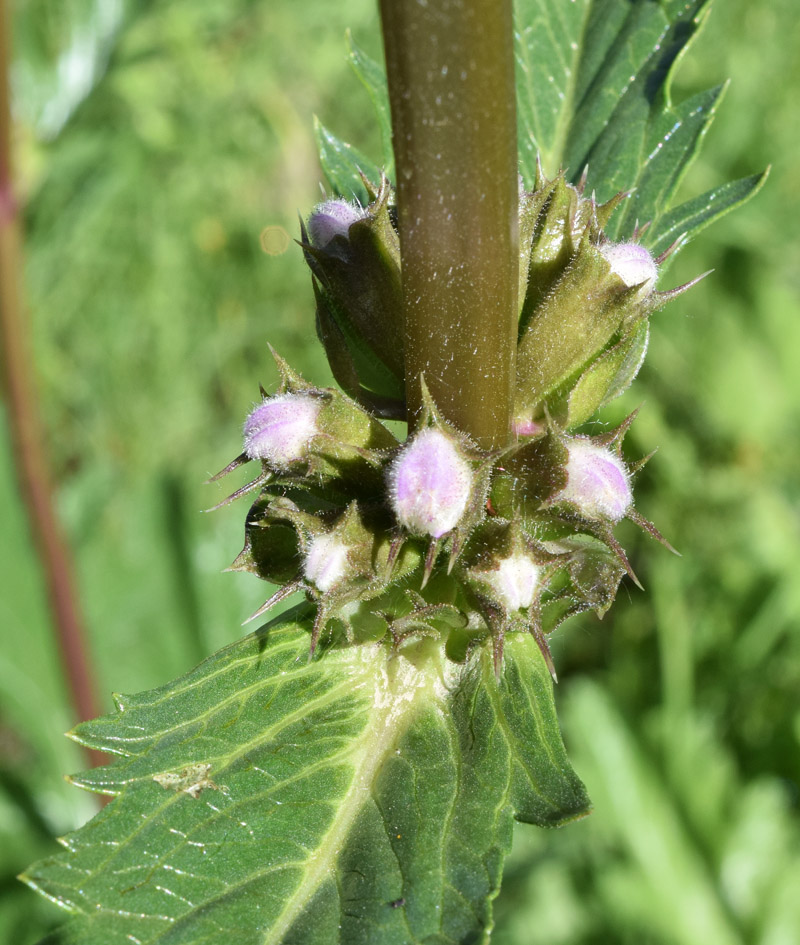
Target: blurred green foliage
148	190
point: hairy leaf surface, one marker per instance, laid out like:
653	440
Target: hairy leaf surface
363	797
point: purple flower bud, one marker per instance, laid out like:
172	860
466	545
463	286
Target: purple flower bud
326	562
597	482
514	581
430	484
632	263
331	218
280	429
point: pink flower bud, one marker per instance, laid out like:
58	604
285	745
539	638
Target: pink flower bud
632	263
514	581
430	484
280	429
524	426
326	562
597	482
331	218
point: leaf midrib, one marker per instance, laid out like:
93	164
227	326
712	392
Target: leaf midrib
554	153
566	115
399	684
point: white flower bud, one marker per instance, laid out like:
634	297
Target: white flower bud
430	484
632	263
280	429
514	581
597	482
326	562
331	218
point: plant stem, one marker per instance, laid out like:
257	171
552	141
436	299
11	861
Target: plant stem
450	67
26	428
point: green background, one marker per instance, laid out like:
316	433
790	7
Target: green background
151	302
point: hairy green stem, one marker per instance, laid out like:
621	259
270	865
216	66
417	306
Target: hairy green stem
26	429
450	67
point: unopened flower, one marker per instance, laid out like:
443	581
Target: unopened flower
280	429
331	218
514	581
326	562
597	482
632	263
430	484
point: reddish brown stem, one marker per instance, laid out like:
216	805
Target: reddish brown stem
26	430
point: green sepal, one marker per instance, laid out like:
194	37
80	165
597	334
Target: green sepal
530	475
581	314
606	378
555	219
594	573
356	366
532	205
358	290
271	548
587	580
350	427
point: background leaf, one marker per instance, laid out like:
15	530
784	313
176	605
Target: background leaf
341	164
365	796
594	81
373	78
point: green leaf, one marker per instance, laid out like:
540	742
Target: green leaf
594	92
48	41
696	214
671	145
373	78
341	164
365	797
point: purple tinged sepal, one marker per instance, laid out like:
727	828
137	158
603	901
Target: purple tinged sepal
304	431
565	485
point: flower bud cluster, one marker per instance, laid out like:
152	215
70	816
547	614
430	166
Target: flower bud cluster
349	515
584	302
433	535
